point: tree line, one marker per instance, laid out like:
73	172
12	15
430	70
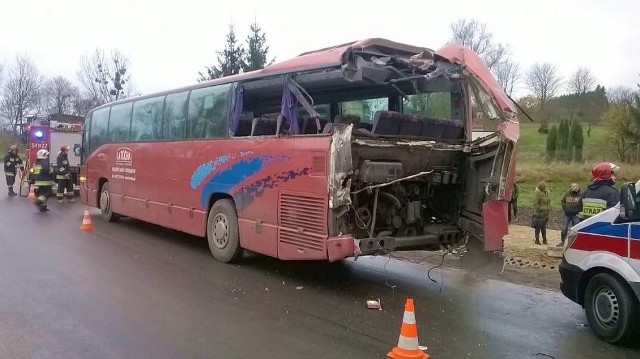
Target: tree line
103	76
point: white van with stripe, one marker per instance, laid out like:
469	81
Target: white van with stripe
600	268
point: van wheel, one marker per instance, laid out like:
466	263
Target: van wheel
222	232
612	310
105	205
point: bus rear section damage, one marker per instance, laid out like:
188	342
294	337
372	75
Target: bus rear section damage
395	194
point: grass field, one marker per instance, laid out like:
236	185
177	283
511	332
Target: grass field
531	167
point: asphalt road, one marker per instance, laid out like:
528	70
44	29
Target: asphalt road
133	290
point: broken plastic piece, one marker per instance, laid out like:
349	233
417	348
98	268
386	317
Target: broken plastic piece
374	304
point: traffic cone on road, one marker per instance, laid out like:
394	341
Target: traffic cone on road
408	347
32	193
86	221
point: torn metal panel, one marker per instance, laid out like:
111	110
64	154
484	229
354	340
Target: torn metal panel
340	167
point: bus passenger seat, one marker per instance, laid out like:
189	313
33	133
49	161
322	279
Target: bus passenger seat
386	123
263	127
411	125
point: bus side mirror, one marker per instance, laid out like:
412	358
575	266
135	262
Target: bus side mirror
77	149
629	208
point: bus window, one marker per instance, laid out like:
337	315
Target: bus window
433	104
86	149
209	112
175	114
99	128
120	123
146	124
364	109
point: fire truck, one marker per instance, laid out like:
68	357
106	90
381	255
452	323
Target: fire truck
50	132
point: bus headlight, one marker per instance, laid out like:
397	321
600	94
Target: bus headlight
83	179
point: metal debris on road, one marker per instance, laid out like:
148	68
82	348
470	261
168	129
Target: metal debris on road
374	304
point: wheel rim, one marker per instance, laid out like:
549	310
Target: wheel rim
104	202
606	308
220	231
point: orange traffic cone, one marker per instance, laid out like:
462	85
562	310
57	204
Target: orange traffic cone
32	193
86	221
408	347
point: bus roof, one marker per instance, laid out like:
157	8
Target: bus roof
307	61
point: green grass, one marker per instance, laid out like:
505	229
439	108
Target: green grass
531	167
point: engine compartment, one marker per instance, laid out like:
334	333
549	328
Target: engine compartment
402	195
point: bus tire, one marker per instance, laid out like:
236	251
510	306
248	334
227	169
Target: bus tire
611	309
106	211
222	232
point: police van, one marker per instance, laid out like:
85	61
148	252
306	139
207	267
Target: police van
600	268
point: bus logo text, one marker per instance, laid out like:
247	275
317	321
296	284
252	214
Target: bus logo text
124	156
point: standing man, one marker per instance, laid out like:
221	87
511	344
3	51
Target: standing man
513	204
600	195
11	163
63	176
44	180
570	206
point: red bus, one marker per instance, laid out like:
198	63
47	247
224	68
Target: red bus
358	149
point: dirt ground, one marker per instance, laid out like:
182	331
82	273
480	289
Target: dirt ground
522	262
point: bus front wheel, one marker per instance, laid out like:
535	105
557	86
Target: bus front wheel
611	309
105	204
222	231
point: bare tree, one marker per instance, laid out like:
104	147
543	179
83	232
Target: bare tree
103	77
581	81
620	95
60	96
508	75
543	81
474	35
21	91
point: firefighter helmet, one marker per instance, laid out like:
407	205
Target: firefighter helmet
604	171
43	154
64	148
13	148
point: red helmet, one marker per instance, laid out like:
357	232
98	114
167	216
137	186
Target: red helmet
604	171
64	148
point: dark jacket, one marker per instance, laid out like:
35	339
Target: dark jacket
43	173
571	203
62	163
600	195
11	163
542	203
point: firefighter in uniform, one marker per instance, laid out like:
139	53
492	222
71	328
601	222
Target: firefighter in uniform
63	176
11	163
599	195
44	180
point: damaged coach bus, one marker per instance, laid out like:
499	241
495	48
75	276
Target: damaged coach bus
362	148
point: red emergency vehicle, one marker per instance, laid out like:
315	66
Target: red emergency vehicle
361	148
50	132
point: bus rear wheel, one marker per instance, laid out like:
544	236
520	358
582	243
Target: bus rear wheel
105	204
611	309
222	232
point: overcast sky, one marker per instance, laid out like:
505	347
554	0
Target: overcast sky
169	42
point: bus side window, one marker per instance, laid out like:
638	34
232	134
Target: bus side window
120	123
175	115
146	124
208	113
99	128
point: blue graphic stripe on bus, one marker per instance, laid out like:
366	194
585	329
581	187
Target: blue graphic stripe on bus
205	169
228	178
257	188
607	229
